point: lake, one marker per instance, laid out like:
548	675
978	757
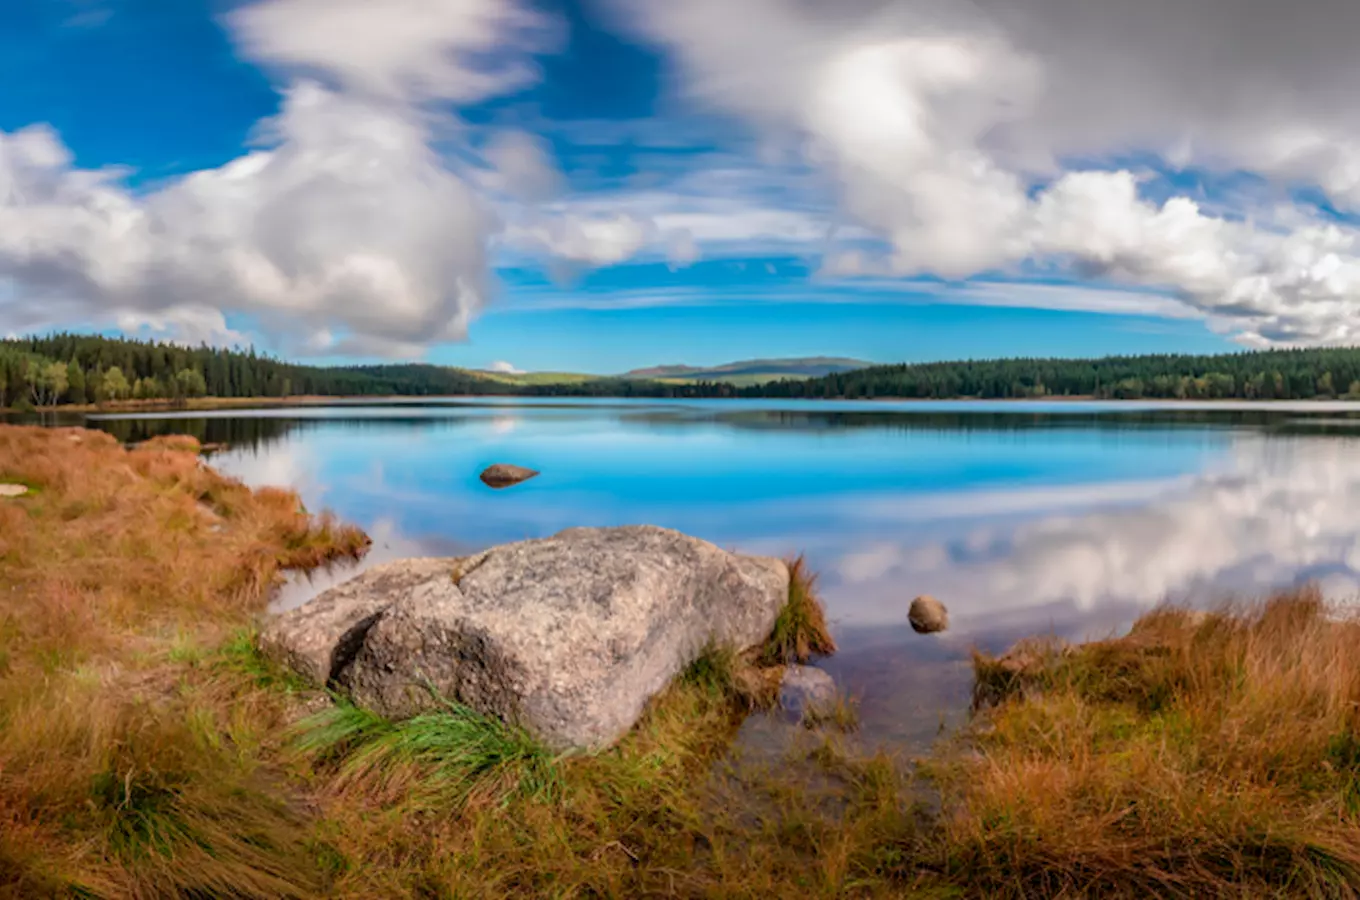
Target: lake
1023	518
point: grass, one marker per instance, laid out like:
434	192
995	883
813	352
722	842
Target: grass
444	759
533	378
841	715
128	765
1196	757
801	631
147	750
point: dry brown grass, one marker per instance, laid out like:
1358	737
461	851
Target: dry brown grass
125	768
147	751
1201	756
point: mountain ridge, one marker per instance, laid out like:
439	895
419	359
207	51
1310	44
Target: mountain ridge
801	367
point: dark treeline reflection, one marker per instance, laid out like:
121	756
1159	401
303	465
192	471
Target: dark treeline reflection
235	431
1287	422
252	429
245	430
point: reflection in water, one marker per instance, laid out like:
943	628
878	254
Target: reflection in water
1021	519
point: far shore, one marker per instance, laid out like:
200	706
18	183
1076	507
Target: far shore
216	403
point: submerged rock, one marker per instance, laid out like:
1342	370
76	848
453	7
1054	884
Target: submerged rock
502	475
928	615
806	688
13	490
568	636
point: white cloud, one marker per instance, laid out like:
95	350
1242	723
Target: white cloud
1067	297
344	231
399	50
719	207
505	368
592	240
682	249
938	121
520	165
345	221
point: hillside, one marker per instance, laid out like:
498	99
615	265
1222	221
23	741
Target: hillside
751	371
529	378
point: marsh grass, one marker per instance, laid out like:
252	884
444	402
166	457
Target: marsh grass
800	631
147	750
129	750
1198	756
840	714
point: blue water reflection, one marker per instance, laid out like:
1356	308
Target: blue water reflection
1058	517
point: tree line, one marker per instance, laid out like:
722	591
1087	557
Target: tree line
69	368
1260	375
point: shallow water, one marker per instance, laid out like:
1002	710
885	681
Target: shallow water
1062	518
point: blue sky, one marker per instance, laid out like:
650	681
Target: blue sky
594	185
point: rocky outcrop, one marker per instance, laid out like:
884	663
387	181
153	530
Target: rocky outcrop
502	475
568	636
927	615
319	639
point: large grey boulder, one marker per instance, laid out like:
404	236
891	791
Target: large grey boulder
568	636
320	638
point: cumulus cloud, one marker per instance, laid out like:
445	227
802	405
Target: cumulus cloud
459	50
505	368
964	136
343	231
344	221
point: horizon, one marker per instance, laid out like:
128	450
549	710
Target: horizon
586	185
713	367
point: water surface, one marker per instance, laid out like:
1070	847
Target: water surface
1064	518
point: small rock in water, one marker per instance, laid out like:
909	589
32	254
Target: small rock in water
12	490
502	475
928	615
805	688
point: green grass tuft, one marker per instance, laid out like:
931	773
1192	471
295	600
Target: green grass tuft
456	756
715	672
241	655
800	632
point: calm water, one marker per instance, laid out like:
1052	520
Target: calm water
1060	518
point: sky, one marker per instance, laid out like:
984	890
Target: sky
599	185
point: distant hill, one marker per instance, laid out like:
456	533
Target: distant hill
530	378
751	371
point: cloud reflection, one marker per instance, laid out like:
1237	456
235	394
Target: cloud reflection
1262	512
1279	512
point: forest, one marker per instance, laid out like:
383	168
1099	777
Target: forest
1260	375
77	369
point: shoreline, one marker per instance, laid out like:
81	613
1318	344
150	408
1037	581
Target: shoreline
1201	754
208	404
